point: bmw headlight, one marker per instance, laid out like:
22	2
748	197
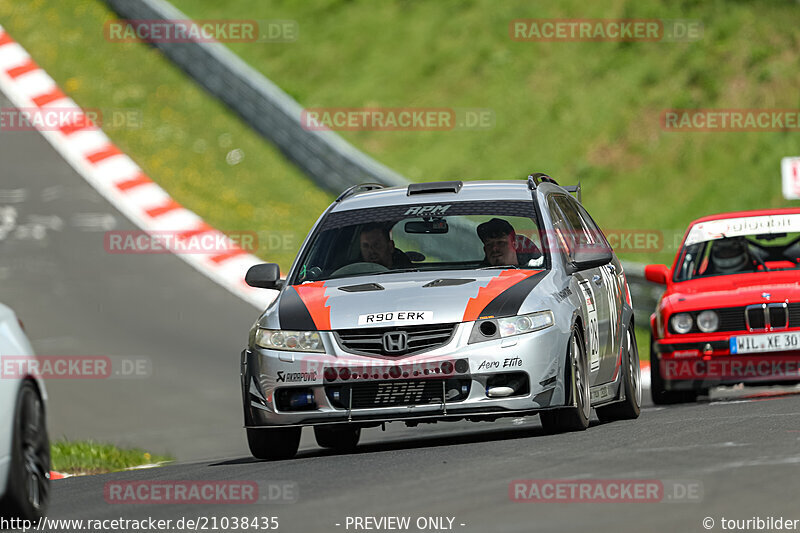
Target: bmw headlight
292	341
708	321
517	325
681	323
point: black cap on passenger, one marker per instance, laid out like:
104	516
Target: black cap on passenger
496	227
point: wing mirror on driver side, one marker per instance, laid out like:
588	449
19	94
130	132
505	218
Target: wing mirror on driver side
264	276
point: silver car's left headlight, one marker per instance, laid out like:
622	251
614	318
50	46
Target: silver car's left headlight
517	325
292	341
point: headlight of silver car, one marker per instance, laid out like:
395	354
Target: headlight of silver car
292	341
708	321
517	325
681	323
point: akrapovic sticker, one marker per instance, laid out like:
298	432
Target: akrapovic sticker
592	328
396	317
295	377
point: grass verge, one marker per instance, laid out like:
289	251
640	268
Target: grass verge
183	138
89	457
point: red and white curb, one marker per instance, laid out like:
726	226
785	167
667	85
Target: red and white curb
645	375
116	176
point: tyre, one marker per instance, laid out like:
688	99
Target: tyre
340	438
29	473
658	392
631	380
274	443
577	378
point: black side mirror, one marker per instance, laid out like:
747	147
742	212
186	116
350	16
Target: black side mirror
264	276
585	259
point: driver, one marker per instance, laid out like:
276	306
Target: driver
378	247
498	237
730	255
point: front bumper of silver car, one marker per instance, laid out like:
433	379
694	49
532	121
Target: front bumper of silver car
488	379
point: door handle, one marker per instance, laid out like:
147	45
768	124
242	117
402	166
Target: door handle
597	280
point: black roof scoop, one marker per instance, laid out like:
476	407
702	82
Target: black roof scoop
448	282
364	287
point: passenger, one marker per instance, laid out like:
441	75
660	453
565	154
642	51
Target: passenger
498	237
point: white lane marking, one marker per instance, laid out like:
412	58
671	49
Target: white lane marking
763	461
8	220
52	222
94	221
695	446
13	196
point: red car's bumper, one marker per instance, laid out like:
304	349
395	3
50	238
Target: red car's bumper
702	361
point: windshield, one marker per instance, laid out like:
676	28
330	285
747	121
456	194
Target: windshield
424	237
736	246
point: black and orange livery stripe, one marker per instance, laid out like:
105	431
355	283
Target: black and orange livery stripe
303	307
503	295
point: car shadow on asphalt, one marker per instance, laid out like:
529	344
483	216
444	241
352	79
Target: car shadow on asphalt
419	442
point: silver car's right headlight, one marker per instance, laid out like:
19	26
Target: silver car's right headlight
291	341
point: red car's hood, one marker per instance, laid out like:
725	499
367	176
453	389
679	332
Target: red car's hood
735	290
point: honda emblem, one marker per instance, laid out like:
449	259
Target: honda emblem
395	341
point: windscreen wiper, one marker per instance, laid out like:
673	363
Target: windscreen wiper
499	266
395	271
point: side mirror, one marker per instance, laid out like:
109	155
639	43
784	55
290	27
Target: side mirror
657	274
585	259
264	276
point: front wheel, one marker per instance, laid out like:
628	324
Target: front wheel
274	443
29	475
574	418
631	380
658	391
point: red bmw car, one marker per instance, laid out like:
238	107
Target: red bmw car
731	310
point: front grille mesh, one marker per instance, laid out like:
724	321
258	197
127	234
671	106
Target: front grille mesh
420	339
373	394
794	315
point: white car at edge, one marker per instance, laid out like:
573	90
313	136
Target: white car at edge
24	445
